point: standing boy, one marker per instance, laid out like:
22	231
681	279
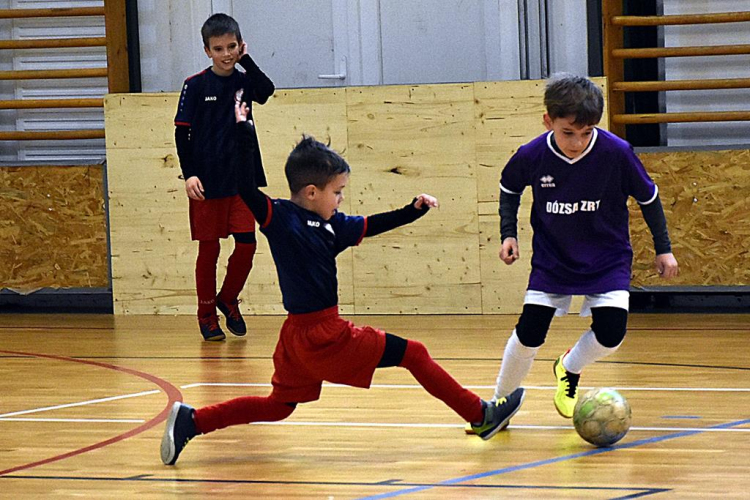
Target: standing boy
206	139
305	234
581	177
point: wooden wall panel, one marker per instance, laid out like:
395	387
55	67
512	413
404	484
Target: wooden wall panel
451	141
53	229
153	258
403	141
705	198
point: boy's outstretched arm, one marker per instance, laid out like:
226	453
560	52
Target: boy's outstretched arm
263	87
653	213
508	211
255	200
380	223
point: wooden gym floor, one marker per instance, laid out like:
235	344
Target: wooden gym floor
83	401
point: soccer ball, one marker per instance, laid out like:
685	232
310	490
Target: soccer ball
602	417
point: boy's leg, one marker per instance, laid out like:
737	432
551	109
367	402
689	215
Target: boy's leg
605	336
185	422
205	284
487	418
522	347
238	269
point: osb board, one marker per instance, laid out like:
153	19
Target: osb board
403	141
53	231
705	198
153	258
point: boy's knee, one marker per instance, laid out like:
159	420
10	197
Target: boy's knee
533	324
245	238
609	325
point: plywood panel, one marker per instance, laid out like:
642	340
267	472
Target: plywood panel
404	141
53	229
153	258
704	194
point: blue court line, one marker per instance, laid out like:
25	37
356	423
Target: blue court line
539	463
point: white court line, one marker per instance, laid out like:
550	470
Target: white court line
82	403
491	387
456	426
83	420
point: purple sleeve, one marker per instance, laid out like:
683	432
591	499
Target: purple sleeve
639	184
513	179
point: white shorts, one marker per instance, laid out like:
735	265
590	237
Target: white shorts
615	298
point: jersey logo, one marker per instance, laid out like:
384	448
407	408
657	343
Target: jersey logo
210	98
547	181
313	223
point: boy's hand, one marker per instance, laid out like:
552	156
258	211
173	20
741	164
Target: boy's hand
194	188
509	251
243	50
425	199
240	110
666	265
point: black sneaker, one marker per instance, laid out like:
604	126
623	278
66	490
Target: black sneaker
231	310
210	328
498	415
179	430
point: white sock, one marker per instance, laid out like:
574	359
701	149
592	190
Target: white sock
517	360
586	351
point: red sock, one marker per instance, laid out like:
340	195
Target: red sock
440	384
242	410
205	276
238	269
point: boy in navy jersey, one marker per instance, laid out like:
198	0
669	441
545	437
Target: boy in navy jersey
305	234
581	177
206	138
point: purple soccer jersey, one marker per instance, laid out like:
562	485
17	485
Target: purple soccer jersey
579	214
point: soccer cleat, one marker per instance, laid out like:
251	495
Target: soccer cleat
231	310
497	415
566	395
179	431
210	328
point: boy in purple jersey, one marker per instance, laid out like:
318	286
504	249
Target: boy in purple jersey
305	234
581	177
205	134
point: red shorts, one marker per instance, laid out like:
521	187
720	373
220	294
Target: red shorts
218	218
322	346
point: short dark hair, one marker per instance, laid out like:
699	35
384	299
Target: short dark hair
312	162
571	95
218	25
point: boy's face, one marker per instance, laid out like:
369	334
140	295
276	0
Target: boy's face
224	52
572	139
325	202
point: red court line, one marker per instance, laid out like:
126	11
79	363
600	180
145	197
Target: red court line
173	394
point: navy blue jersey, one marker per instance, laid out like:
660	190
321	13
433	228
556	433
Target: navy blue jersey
206	106
579	214
304	247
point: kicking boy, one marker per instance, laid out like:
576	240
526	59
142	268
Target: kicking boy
206	138
305	234
581	177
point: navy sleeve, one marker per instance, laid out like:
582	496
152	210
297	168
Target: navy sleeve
261	87
256	201
349	230
188	100
184	151
380	223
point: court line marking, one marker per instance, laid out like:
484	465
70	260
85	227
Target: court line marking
81	420
461	426
81	403
173	394
539	463
474	387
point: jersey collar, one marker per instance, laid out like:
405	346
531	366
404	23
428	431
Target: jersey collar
578	158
